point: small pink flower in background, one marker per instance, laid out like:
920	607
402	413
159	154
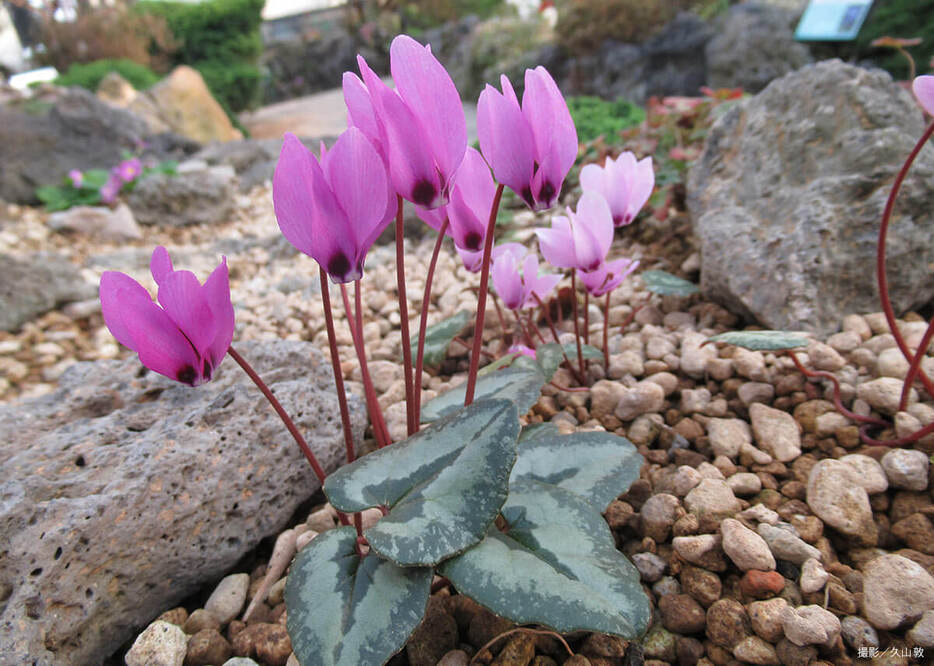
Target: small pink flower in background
625	184
530	147
111	189
517	280
923	88
521	349
608	276
583	238
469	209
76	178
334	209
419	128
187	337
129	170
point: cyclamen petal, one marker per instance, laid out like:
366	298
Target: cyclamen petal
471	200
182	298
923	87
506	140
608	276
592	227
624	183
557	243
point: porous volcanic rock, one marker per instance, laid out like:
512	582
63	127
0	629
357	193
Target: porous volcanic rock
789	191
33	285
124	492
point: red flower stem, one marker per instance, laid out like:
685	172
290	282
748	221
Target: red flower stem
481	298
533	326
364	368
520	328
630	317
880	258
423	324
276	405
410	421
577	330
586	317
606	332
915	366
819	374
467	346
372	404
570	389
499	314
554	332
901	441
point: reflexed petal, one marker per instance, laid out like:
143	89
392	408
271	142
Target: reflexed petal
471	201
217	293
506	140
429	92
184	300
358	179
541	286
517	250
434	218
923	87
473	261
643	182
144	327
360	109
292	194
608	276
592	227
557	243
160	265
550	121
508	282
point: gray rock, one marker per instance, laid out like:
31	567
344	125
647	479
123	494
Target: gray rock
136	491
858	633
810	625
785	545
837	497
227	599
776	432
161	644
727	436
98	222
898	590
650	566
199	197
33	285
753	44
254	160
72	130
746	548
907	469
789	191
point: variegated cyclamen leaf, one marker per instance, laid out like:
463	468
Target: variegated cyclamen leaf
598	466
556	564
550	356
521	385
438	337
536	430
662	282
443	486
344	611
762	340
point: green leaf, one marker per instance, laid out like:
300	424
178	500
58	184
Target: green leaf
94	179
556	564
344	611
439	337
762	340
501	362
536	430
660	282
598	466
550	356
518	383
444	486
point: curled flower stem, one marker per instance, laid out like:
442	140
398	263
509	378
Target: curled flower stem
410	421
423	323
819	374
606	332
880	258
356	332
901	441
286	419
915	366
577	330
481	298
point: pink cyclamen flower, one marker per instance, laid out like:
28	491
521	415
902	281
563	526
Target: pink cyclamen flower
517	280
531	148
187	337
522	350
608	276
76	178
334	209
923	88
582	239
624	183
469	209
111	189
129	170
418	128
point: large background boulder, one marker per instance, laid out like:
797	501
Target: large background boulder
33	285
788	194
124	492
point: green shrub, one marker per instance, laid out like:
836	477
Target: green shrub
594	117
898	18
421	15
89	75
219	38
583	25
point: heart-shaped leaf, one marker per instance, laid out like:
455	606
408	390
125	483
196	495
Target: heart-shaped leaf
518	383
438	337
556	564
551	356
598	466
661	282
535	430
444	485
344	611
762	340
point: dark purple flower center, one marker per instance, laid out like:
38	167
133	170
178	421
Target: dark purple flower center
473	241
527	197
424	193
338	266
207	370
547	193
618	220
187	375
